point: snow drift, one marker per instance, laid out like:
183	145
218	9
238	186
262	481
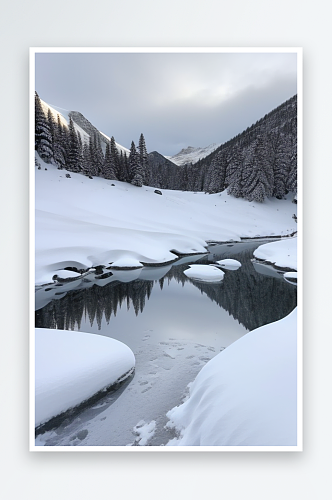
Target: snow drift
246	395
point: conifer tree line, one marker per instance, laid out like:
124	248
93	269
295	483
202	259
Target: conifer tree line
258	163
63	146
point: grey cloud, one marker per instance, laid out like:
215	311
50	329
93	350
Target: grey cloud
171	98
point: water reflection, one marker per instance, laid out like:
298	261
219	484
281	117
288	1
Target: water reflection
253	299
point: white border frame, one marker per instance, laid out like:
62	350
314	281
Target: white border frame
163	50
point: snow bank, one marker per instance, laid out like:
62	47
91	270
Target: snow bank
126	261
99	221
291	277
246	395
204	272
282	253
230	264
71	366
65	274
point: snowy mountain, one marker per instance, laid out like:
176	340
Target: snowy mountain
192	154
257	164
81	124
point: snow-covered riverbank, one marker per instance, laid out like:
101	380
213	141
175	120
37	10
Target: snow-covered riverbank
246	395
282	253
82	222
70	367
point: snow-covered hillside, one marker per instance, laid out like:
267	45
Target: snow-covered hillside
191	154
82	222
64	119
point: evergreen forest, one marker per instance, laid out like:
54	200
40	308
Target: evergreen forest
259	163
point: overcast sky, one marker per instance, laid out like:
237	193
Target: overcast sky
175	99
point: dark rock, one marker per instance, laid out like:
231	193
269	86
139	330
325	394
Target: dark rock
157	191
99	269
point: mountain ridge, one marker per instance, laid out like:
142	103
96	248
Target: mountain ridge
192	154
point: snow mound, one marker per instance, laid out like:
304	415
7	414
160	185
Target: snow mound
281	253
126	262
204	273
246	395
71	366
65	274
230	264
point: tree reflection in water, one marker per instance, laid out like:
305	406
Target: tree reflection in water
251	298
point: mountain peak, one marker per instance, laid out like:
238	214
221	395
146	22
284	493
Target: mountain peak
192	154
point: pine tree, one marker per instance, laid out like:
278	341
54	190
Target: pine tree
43	135
92	167
115	162
234	176
59	150
75	157
126	174
122	174
217	173
98	154
109	167
257	173
291	182
135	169
281	165
143	158
86	159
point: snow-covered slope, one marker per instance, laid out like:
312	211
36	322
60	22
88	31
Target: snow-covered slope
191	154
82	222
64	119
246	395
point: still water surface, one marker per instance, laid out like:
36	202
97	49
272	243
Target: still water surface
173	324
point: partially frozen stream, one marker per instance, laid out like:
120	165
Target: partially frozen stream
173	325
